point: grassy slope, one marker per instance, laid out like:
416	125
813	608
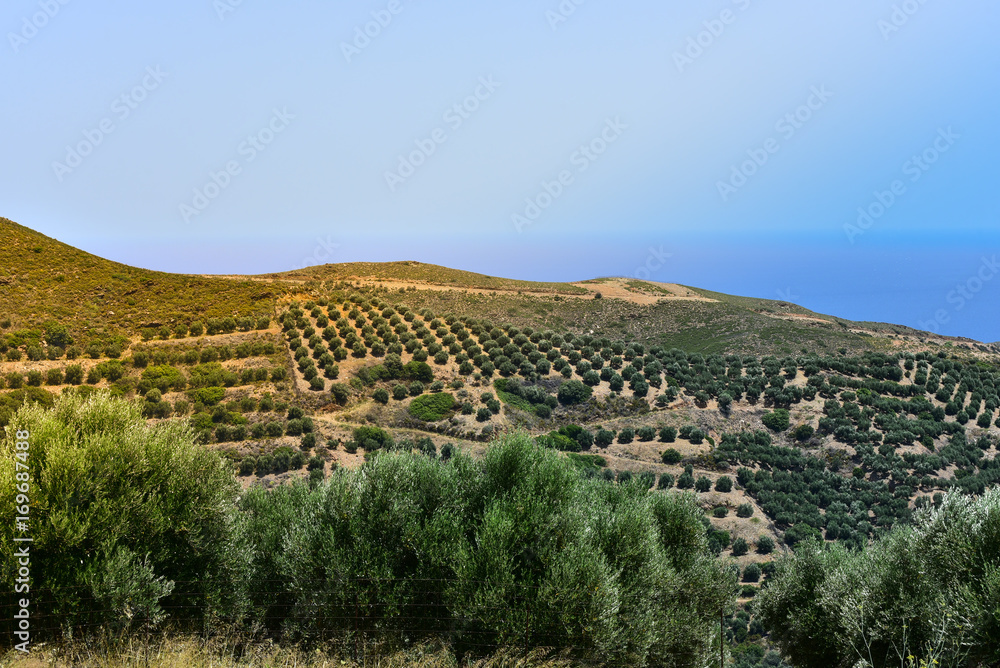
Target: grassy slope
424	273
43	279
705	327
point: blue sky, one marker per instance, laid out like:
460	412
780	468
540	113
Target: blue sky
723	144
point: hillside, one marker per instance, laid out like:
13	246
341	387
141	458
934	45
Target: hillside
783	423
43	280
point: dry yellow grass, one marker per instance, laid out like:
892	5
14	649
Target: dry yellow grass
191	652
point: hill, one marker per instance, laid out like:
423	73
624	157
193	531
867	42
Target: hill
43	280
784	424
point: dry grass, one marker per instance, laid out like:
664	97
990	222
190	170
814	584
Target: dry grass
228	652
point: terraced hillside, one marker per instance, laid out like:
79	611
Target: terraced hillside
785	424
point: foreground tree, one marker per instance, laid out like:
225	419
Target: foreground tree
927	594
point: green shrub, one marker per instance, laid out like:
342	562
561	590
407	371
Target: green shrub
668	434
740	547
776	420
724	484
765	545
418	371
432	407
381	395
209	396
751	573
573	392
151	507
54	377
720	511
744	510
803	432
372	438
604	437
671	456
823	603
625	435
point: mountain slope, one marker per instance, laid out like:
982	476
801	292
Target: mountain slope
44	280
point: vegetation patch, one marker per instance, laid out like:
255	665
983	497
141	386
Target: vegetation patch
432	407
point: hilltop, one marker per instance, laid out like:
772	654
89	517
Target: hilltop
43	280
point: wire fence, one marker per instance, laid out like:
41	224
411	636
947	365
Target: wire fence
472	616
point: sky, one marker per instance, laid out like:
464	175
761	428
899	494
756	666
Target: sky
840	155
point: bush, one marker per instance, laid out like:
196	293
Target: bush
776	420
703	484
765	545
685	481
418	371
671	456
381	396
740	547
604	437
573	392
372	438
666	481
169	518
751	573
340	393
54	377
668	434
803	432
724	484
626	435
432	407
483	414
646	433
948	612
720	511
744	510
